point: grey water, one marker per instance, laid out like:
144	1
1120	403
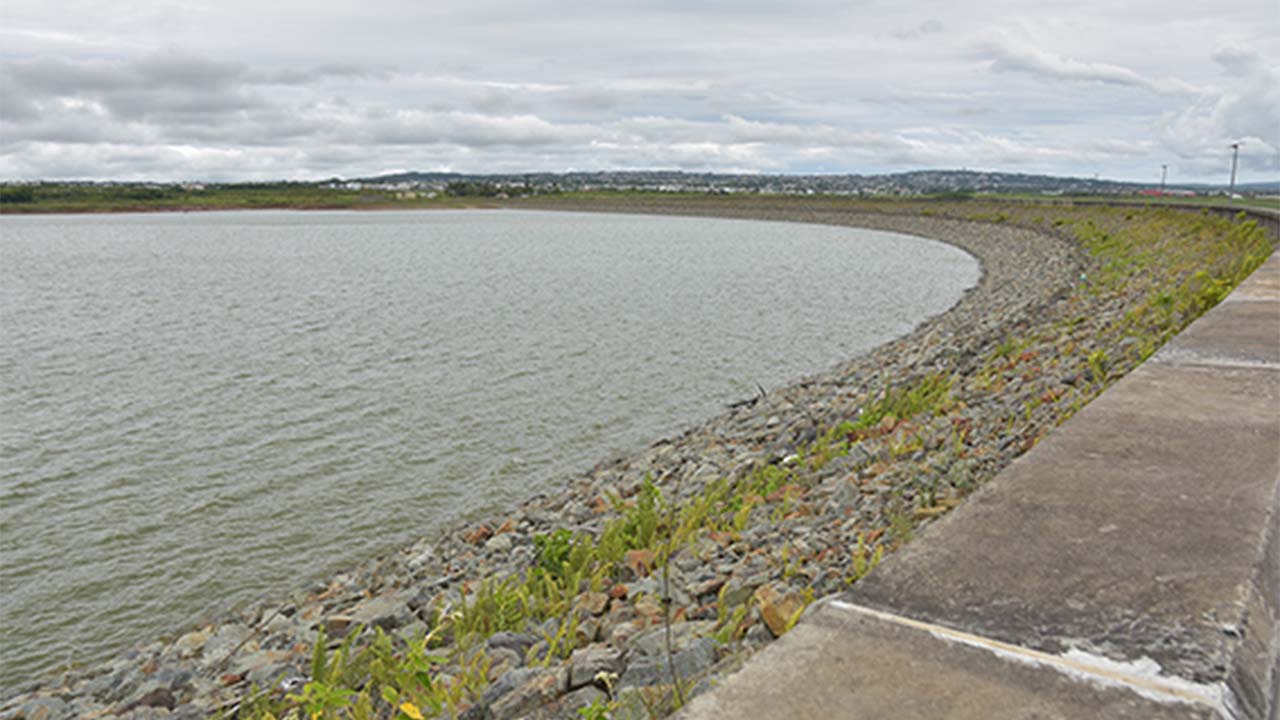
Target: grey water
198	410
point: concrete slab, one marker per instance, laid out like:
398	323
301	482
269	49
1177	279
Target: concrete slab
841	663
1245	333
1264	283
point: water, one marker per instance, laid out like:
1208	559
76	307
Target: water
198	410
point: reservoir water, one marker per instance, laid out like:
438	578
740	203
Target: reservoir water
198	410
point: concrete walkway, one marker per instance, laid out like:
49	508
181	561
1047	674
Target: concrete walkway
1127	567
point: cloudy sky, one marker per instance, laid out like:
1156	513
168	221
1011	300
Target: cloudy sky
229	89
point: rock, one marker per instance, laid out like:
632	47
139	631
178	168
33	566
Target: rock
478	535
336	626
581	698
592	602
588	631
741	589
649	608
45	708
188	711
173	678
620	635
639	562
708	586
655	670
503	660
191	644
518	642
385	611
498	544
632	704
160	697
647	586
414	631
758	635
523	691
653	642
507	682
777	608
119	686
584	664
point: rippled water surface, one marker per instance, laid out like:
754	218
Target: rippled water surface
197	410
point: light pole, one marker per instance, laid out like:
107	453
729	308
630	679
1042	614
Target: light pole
1235	155
1164	174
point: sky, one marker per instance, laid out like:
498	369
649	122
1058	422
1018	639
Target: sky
284	89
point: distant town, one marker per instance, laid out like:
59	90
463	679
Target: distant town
906	184
413	189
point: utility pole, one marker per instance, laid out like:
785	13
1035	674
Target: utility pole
1164	175
1235	155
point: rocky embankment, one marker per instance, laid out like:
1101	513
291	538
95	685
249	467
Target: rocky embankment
847	494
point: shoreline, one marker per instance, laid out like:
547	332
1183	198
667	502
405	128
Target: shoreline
1029	277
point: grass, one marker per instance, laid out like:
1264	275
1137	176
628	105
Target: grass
82	198
928	395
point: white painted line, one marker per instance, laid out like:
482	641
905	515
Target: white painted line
1142	677
1248	295
1174	356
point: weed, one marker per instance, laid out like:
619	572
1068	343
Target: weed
930	394
865	559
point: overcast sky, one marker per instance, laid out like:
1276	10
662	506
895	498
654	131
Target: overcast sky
229	89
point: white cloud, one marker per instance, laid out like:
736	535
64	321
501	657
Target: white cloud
165	90
1006	55
1247	111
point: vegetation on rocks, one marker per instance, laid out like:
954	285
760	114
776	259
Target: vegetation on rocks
656	573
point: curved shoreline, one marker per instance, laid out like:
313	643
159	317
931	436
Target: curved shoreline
1027	277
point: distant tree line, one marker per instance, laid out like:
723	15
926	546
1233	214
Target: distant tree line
19	194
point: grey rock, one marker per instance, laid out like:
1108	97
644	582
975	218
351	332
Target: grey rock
386	611
586	663
173	678
644	586
45	708
502	660
190	644
739	590
414	631
120	685
758	635
631	704
188	711
583	697
530	688
689	662
507	682
157	698
653	642
498	543
519	642
223	643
